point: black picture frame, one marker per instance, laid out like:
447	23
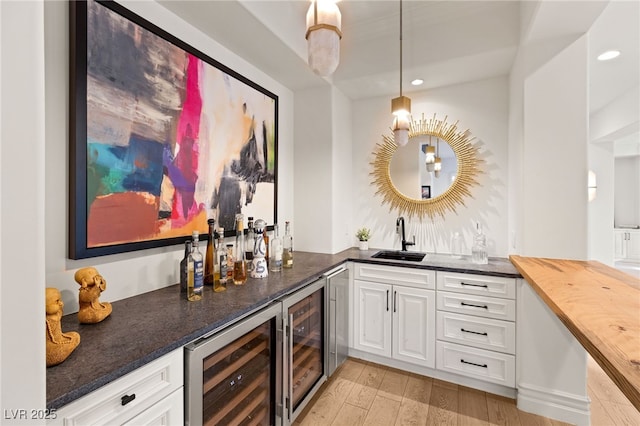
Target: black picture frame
96	54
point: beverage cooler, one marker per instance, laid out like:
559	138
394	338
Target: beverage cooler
305	366
234	377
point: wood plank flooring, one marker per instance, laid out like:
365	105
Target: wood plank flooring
364	393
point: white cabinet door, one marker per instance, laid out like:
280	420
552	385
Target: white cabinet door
414	319
167	412
372	319
620	248
633	245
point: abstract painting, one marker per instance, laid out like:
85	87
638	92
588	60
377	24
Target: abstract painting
163	137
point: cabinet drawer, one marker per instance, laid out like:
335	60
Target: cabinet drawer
410	277
149	384
477	363
482	285
495	335
488	307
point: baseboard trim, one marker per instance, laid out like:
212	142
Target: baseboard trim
554	404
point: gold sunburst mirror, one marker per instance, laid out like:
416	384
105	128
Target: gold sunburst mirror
426	195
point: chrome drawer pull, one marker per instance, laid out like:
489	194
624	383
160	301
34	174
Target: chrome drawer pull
473	363
475	285
127	399
473	332
474	306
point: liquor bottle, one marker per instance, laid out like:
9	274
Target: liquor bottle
287	247
259	268
209	260
196	270
265	237
249	242
220	270
183	267
230	263
239	262
479	248
275	263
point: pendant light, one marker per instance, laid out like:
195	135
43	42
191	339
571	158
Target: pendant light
324	23
430	156
401	106
437	164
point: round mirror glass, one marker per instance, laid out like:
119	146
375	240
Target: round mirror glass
408	169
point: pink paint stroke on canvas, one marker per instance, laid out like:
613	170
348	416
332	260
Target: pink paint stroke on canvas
187	138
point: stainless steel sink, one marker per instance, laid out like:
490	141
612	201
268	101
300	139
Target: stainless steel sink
411	256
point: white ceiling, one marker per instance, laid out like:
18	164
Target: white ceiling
444	42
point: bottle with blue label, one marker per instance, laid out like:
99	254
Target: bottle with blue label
196	270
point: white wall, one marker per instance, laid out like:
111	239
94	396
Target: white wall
627	194
600	213
22	198
481	107
555	156
138	272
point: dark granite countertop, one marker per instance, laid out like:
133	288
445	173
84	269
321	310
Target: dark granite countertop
150	325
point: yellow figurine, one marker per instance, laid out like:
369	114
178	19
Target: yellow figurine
91	285
59	345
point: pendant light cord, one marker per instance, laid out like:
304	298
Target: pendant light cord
400	47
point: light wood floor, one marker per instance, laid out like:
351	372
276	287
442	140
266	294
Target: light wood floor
364	393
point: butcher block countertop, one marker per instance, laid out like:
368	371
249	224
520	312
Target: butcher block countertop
600	306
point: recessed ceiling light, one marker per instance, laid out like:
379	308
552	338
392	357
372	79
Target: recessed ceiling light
417	82
609	54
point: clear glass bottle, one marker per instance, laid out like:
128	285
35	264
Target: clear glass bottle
275	263
195	271
220	267
230	263
239	263
249	241
479	248
183	266
287	247
209	259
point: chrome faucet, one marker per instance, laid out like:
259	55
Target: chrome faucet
400	231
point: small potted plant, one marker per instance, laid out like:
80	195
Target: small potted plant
363	235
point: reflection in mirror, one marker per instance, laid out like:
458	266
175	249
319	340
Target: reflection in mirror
398	172
409	172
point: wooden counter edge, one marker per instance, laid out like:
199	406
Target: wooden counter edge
629	389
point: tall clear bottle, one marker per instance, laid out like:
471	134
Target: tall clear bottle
220	270
195	270
275	263
230	258
209	259
240	263
249	241
479	248
287	247
183	267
